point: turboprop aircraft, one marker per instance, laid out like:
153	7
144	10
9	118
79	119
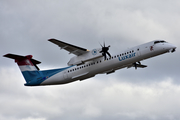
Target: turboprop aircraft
86	64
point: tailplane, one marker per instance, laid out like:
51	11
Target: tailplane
27	65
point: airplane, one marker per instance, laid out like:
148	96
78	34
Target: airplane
86	64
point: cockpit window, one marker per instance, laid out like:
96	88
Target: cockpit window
160	41
156	42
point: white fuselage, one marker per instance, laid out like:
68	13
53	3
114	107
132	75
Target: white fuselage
120	60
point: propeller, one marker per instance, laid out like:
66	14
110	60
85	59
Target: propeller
104	51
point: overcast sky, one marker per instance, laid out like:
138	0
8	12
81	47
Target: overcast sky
152	93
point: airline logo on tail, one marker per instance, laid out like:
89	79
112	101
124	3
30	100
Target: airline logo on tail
27	66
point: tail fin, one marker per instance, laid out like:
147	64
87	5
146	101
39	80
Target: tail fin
27	66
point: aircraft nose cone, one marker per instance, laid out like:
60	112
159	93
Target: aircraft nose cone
172	48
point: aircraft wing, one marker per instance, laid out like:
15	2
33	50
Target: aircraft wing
141	66
71	48
137	66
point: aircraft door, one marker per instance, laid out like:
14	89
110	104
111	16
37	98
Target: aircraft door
65	75
138	52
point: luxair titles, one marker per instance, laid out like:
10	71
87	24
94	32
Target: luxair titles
127	56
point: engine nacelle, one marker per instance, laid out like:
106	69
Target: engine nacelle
90	55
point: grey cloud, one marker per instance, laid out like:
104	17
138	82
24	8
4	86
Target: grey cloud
93	99
150	93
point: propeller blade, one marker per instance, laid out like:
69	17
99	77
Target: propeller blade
109	54
105	57
100	44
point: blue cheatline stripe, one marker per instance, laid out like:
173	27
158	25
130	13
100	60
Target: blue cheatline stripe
35	78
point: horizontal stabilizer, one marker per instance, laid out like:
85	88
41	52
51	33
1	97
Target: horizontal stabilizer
19	58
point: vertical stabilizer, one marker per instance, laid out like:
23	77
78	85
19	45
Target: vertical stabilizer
27	66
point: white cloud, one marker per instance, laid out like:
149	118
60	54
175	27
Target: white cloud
29	118
91	98
91	111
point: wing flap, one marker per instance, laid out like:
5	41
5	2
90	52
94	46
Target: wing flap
71	48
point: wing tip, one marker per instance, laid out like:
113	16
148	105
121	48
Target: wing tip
51	39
